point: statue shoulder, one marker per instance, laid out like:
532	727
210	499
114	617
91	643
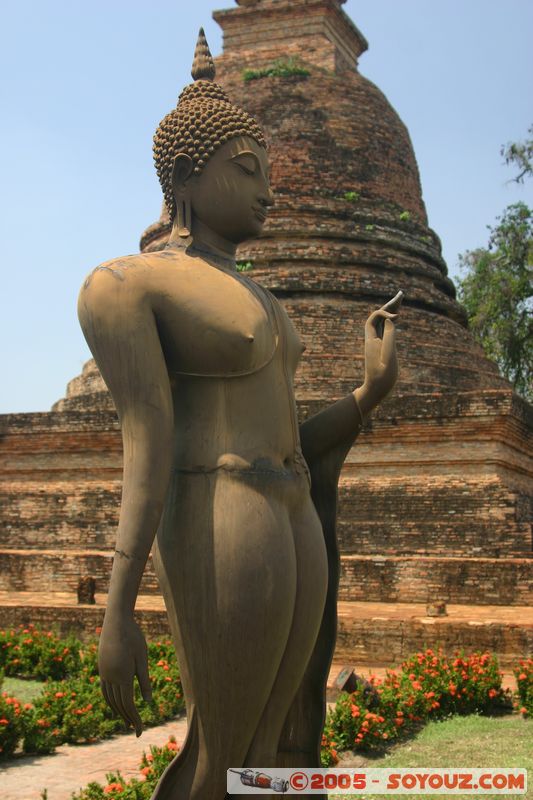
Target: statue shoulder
117	269
112	291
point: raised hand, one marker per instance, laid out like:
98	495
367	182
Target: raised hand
122	655
381	362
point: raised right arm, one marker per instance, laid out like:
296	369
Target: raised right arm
118	322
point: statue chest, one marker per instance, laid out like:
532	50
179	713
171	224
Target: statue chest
222	325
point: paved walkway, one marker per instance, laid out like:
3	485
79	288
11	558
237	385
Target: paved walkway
73	767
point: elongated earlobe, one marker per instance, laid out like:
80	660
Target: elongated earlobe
181	172
183	215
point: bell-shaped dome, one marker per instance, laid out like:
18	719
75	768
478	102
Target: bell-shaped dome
349	226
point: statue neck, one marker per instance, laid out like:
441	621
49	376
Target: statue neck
207	244
205	240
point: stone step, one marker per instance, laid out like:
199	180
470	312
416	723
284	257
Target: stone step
462	537
377	578
421	579
433	515
368	633
55	514
60	570
439	515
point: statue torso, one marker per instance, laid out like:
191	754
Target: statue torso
231	353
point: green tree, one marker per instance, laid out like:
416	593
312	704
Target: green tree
520	155
497	293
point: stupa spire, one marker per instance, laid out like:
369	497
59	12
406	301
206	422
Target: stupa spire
316	32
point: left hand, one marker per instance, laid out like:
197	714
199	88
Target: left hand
381	362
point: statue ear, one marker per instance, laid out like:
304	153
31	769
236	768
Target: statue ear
181	171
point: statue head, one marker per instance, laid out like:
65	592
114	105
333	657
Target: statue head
195	143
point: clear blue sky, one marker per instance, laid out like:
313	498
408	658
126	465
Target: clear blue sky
84	84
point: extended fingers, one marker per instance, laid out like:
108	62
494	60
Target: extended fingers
128	704
117	697
120	700
108	696
394	304
143	677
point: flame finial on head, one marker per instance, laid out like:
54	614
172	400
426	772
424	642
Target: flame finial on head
203	66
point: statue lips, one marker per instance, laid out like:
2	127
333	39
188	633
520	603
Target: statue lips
260	213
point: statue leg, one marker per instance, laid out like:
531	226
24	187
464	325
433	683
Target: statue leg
228	567
307	616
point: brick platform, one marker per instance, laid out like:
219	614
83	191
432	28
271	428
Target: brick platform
368	633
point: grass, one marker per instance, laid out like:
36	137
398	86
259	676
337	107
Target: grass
472	741
24	690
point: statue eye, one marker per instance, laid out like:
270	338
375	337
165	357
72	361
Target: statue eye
247	168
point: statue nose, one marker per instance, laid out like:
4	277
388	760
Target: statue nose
266	198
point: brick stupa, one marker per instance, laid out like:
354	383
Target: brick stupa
436	494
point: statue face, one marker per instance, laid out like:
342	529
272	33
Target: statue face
232	194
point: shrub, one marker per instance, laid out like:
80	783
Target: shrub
74	710
428	685
151	768
281	68
350	196
524	686
10	724
31	653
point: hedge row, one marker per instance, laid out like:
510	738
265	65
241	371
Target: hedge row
427	686
72	709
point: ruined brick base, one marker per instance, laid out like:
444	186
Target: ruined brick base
368	633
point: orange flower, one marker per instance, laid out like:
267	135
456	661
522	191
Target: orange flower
522	676
113	787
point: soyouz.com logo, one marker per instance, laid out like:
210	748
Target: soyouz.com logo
452	780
